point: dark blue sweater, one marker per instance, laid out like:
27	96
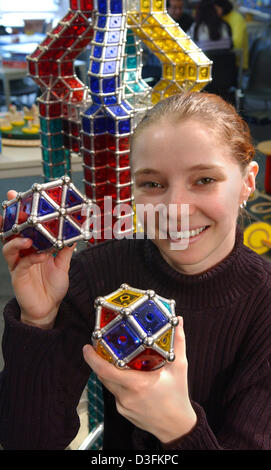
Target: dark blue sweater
227	323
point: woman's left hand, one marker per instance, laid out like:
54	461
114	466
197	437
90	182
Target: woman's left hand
156	401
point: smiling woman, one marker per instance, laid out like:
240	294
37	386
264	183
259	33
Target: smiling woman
191	151
219	116
194	149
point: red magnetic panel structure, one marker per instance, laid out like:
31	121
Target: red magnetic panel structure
53	215
108	123
51	66
108	118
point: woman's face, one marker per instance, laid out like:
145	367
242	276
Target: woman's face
184	163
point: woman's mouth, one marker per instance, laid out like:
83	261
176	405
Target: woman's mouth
191	235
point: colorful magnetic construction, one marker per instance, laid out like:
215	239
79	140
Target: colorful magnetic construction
53	215
63	95
108	122
136	90
184	65
97	121
135	329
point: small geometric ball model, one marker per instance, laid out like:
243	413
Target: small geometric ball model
135	328
52	214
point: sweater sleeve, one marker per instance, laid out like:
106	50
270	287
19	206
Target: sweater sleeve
246	424
45	373
245	409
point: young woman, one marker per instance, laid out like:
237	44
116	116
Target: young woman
238	26
209	31
190	149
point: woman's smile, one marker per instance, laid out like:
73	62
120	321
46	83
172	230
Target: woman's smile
184	164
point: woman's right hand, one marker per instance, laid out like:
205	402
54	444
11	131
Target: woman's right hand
40	281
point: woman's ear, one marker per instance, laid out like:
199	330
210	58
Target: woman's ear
249	184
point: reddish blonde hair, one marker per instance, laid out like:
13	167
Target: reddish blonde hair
221	117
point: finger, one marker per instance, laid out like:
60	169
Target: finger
113	387
11	194
11	250
17	255
63	258
99	365
107	371
28	260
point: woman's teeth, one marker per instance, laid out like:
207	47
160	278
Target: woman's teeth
188	233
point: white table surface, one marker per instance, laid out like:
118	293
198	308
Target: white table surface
16	162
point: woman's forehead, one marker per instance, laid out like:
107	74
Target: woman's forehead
175	136
182	146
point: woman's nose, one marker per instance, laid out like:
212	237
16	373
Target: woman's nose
178	198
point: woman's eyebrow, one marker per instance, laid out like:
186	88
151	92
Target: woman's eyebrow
200	166
146	171
205	166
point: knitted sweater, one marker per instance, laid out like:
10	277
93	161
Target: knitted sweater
227	324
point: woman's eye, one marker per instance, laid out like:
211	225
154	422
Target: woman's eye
151	184
206	180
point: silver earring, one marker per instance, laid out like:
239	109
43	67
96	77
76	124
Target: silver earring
243	205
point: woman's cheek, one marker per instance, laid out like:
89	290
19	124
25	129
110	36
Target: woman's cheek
221	206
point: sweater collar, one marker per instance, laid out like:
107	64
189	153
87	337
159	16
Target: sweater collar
235	276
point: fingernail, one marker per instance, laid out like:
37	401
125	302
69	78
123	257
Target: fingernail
86	348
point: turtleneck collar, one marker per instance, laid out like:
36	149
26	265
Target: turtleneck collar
236	275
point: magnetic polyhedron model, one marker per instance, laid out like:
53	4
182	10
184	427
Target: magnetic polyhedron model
53	215
135	328
96	120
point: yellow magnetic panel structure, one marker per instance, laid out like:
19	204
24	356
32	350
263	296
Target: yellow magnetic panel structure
165	340
184	66
103	353
124	298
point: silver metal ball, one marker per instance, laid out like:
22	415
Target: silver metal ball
171	357
59	244
174	321
121	364
62	211
150	293
148	341
125	312
32	220
66	179
99	301
124	286
36	187
97	334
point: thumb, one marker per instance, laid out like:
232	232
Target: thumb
179	341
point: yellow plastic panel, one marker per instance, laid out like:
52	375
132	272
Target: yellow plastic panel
145	5
103	353
124	298
184	65
164	341
157	5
